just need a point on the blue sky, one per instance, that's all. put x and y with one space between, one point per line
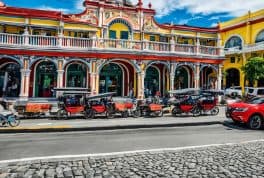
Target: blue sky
203 13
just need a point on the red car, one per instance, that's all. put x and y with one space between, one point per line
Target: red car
250 112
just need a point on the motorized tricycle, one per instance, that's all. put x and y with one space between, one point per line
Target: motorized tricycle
151 107
186 102
208 101
126 107
100 105
72 104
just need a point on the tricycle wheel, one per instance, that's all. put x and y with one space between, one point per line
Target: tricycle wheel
89 114
196 112
137 113
215 111
61 114
124 114
176 111
161 114
109 115
13 121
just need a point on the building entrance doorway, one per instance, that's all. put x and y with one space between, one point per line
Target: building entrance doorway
76 76
46 79
232 78
152 81
111 79
10 80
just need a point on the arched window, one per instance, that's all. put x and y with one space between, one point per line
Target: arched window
111 79
234 41
77 75
260 37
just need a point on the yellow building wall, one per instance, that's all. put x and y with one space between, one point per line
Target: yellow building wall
228 34
237 65
147 37
118 27
208 35
13 29
12 19
44 22
137 36
256 29
69 26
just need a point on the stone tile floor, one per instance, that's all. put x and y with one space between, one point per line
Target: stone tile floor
241 160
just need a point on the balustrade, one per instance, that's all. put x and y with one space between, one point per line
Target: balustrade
113 44
11 39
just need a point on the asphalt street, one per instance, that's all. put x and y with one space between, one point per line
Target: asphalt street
15 146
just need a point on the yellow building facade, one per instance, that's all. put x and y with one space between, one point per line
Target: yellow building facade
242 39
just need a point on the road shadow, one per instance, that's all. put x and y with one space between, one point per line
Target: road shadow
230 125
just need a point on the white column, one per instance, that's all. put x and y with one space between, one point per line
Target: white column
219 77
24 88
26 36
93 83
60 78
198 44
141 78
197 76
172 44
172 78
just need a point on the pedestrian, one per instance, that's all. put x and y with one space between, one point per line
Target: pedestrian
131 93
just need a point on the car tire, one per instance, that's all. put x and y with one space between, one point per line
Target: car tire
255 122
233 95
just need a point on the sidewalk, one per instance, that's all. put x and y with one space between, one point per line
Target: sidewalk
48 125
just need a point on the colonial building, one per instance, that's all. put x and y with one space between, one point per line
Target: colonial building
111 46
243 38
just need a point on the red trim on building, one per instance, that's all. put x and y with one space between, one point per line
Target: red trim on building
109 56
242 24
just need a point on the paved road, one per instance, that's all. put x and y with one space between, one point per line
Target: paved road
240 160
15 146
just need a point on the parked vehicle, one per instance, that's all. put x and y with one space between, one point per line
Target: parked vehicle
251 92
208 101
250 112
100 105
72 104
34 108
8 117
126 107
186 102
233 92
151 107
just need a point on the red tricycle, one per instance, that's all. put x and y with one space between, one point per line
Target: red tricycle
100 104
72 104
186 102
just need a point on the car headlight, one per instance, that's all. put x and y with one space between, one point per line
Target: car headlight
240 109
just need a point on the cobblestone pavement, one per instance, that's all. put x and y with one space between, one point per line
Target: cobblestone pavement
241 160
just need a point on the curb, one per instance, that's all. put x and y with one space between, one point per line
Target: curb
101 128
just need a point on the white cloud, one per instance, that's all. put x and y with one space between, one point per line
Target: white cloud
79 4
214 24
205 7
53 9
186 21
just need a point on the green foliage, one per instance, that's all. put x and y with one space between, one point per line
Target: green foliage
254 69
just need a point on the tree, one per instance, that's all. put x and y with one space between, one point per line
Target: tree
254 69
